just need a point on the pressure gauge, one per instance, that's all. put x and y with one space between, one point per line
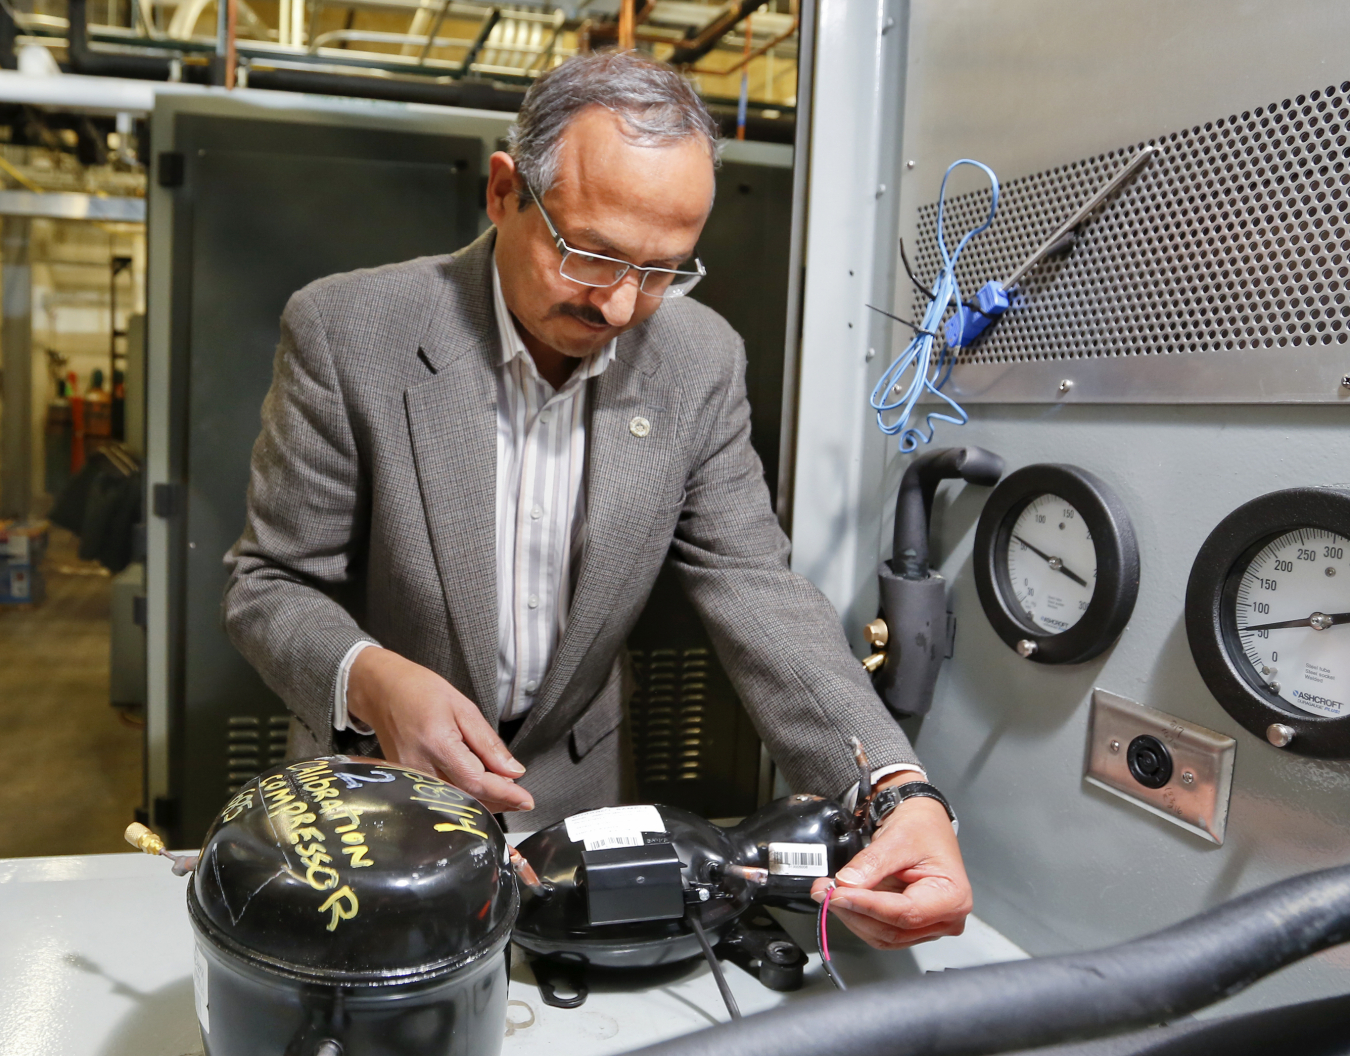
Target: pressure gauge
1056 564
1268 618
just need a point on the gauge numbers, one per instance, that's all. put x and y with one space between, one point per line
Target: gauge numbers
1293 602
1052 563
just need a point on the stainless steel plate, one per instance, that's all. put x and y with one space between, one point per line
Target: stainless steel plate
1195 796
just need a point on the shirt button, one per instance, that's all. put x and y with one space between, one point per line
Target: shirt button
545 416
536 513
531 686
532 601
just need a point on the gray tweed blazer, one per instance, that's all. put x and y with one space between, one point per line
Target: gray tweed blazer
372 515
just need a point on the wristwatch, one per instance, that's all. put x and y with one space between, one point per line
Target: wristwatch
888 799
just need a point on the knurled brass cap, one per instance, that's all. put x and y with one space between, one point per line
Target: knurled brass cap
143 838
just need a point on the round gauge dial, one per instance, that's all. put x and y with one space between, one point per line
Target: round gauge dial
1268 618
1052 563
1056 564
1290 599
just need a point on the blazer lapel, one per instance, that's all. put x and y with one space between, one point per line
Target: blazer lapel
452 420
627 475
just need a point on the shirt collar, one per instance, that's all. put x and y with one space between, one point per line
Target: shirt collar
512 347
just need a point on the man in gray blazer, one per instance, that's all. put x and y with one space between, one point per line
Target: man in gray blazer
471 469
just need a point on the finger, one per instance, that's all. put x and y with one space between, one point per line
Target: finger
928 901
463 769
483 741
876 862
887 937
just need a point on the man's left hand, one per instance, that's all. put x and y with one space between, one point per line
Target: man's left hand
909 885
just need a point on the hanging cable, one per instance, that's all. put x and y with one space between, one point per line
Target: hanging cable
915 372
823 940
910 272
728 998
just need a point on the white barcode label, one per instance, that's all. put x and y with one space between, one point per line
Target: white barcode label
797 859
614 822
617 839
201 989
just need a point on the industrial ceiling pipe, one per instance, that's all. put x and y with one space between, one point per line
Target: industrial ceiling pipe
102 63
1045 1001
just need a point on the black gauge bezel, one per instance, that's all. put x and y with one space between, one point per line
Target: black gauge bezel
1117 585
1211 615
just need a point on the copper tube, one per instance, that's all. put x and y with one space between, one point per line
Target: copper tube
754 54
525 871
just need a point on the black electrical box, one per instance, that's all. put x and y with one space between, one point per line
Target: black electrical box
627 884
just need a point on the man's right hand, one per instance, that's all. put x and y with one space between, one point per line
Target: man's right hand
423 722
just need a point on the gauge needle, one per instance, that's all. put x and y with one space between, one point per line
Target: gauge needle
1053 562
1318 621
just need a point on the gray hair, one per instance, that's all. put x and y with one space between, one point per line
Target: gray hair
657 105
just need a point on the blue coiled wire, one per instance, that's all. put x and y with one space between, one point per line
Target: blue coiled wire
892 393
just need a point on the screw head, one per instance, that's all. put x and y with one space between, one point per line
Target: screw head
1065 385
1278 734
1187 778
1330 571
1345 378
1026 647
911 163
1114 745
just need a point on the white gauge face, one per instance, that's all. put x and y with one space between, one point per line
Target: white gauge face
1052 563
1293 619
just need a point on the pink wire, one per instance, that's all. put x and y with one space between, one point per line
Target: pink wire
824 922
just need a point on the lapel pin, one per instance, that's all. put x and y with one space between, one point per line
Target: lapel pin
639 426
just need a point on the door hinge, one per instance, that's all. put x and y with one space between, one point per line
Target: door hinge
169 169
164 500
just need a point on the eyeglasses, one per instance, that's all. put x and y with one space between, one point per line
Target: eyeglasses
593 269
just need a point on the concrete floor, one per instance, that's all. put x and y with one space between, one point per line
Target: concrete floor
78 777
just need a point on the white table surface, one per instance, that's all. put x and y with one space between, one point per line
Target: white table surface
96 960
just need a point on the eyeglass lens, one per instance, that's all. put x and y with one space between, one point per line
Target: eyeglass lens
596 271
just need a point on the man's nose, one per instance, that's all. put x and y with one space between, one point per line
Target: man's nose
617 302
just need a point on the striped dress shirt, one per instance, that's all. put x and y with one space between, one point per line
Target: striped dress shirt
541 509
541 517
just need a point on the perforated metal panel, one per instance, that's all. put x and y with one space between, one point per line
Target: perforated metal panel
1230 250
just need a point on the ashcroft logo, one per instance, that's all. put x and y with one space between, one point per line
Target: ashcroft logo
1323 701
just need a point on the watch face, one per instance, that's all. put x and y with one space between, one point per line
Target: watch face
1052 563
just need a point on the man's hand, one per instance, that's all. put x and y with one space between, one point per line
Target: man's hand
908 885
423 722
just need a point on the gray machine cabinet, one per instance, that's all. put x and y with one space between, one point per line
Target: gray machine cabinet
263 208
272 198
693 743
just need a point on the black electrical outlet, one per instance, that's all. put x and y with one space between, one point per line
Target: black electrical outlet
1149 760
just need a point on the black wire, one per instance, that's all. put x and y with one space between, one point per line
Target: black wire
825 961
727 996
910 272
905 322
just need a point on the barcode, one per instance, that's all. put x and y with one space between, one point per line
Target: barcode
618 839
797 859
811 858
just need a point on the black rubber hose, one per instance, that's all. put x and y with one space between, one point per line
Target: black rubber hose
1025 1004
914 501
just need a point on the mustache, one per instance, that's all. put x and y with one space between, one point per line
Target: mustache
587 313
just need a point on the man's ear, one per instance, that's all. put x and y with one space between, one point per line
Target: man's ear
502 187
